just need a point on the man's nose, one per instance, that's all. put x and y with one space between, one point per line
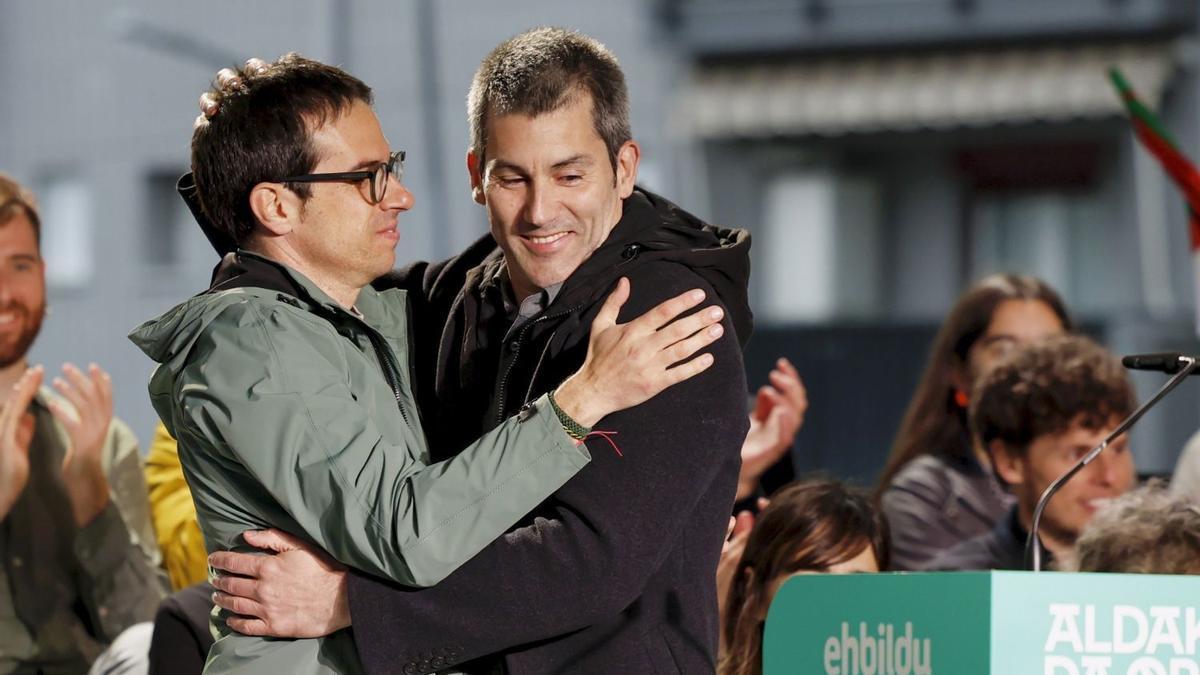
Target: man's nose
538 206
397 197
1104 468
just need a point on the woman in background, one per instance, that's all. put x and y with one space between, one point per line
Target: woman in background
937 488
810 527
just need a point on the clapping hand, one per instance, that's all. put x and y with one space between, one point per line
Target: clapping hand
85 411
778 413
16 431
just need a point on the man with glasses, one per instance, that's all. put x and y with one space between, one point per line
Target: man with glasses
616 571
287 383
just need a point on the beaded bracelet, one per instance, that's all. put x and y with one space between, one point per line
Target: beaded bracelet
574 429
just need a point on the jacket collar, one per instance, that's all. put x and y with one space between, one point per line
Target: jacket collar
242 268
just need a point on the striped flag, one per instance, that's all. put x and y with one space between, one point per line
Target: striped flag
1154 137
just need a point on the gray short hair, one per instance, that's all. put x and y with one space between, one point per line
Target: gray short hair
1144 531
542 70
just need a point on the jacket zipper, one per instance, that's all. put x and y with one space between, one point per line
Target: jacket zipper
390 370
516 343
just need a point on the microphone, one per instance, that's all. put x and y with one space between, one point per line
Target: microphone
1165 362
1178 365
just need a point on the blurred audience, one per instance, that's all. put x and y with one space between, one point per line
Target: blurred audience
174 514
1185 482
79 571
1038 412
937 488
777 414
1145 531
809 527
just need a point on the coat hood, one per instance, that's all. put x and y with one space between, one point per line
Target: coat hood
172 334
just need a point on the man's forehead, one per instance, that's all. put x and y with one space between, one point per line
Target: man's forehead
17 237
573 119
353 135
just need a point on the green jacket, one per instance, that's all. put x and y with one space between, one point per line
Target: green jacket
292 412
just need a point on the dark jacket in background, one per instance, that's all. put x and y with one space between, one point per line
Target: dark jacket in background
181 635
615 573
1002 548
937 502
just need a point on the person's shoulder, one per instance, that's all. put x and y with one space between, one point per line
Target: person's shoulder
927 474
976 553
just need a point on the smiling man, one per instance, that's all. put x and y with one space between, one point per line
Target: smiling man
287 382
1037 413
78 562
615 571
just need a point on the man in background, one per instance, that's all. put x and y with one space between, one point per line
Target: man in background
1038 412
79 575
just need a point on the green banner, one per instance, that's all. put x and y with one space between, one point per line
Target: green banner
975 623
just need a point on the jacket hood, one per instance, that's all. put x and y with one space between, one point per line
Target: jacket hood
171 335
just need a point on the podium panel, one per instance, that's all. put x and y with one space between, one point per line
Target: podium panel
975 623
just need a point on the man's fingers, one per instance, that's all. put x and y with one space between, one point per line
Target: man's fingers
65 415
25 428
685 348
79 381
14 410
240 586
253 627
666 311
238 605
688 369
78 405
786 366
688 325
745 522
24 391
103 383
272 540
245 564
787 381
607 316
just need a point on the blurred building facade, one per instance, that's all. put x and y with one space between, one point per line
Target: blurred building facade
883 153
888 152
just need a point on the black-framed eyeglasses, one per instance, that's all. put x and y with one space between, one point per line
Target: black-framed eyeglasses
378 176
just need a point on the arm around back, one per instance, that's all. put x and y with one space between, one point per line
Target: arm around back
281 407
588 554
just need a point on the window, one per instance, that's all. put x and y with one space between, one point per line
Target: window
820 250
67 230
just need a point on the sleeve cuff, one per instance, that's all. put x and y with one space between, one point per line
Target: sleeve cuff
541 412
102 544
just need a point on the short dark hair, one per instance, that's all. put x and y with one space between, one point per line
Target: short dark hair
1047 386
542 70
260 130
16 198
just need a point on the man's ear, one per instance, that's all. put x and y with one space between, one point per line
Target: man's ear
628 158
1010 465
276 208
475 171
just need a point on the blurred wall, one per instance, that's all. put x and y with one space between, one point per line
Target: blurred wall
97 109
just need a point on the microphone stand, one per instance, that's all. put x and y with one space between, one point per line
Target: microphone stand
1033 546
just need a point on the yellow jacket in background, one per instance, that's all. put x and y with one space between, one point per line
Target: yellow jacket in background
173 513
